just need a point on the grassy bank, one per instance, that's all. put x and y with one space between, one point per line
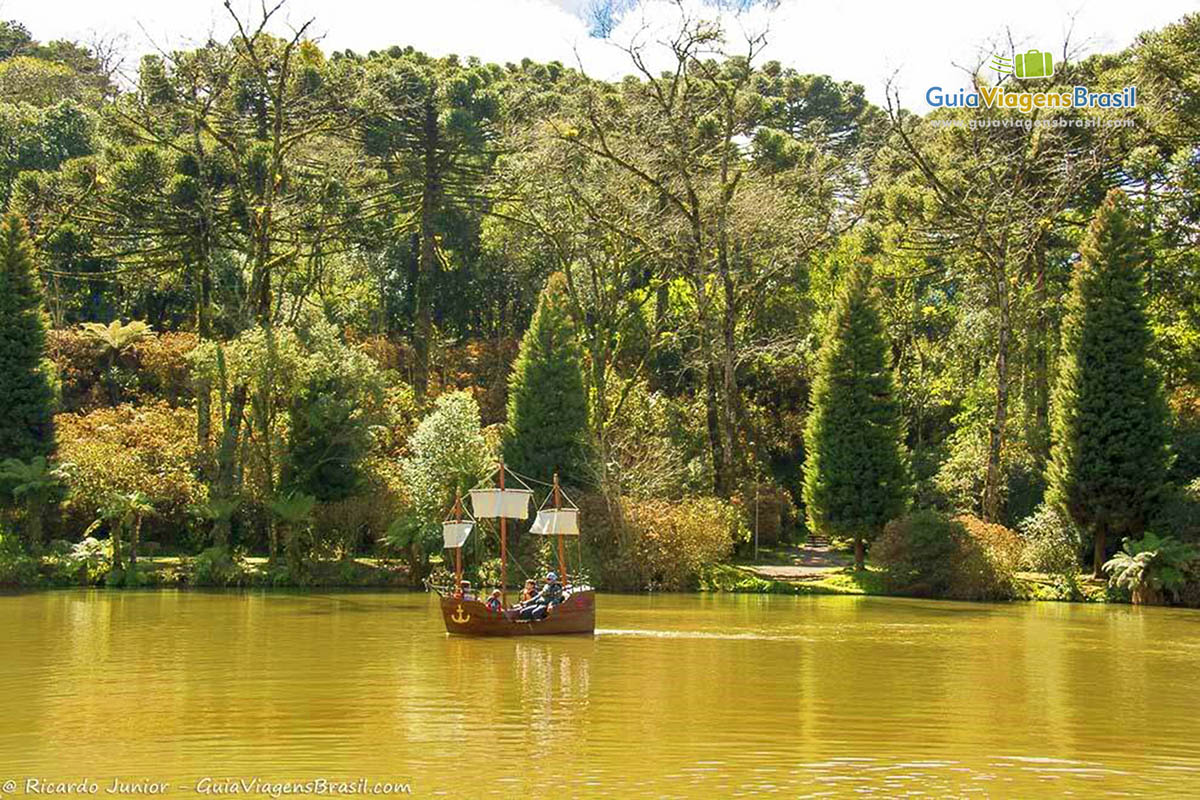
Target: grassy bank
845 581
208 569
783 570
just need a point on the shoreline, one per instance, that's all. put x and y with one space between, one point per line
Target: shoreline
158 573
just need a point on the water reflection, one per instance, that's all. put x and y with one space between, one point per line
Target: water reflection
676 696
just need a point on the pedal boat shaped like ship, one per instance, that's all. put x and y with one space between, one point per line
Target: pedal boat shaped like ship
575 614
471 617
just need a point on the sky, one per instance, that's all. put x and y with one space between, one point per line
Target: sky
916 44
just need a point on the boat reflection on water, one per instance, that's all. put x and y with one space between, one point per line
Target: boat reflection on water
534 689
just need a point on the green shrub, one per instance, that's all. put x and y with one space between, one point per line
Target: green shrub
131 576
448 454
216 566
990 561
919 553
1179 513
1052 542
926 554
86 562
1153 569
352 525
17 568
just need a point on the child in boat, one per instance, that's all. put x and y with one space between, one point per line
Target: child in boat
464 591
494 603
529 592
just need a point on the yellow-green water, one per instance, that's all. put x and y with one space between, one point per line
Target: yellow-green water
675 696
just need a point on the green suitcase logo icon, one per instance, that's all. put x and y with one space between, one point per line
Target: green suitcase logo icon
1034 64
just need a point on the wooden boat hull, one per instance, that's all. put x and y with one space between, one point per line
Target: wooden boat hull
576 614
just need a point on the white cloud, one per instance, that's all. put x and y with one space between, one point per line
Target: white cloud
861 41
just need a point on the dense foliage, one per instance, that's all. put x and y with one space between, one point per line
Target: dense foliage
297 298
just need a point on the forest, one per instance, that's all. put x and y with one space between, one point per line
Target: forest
265 310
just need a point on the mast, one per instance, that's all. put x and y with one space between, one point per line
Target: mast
503 544
562 559
458 550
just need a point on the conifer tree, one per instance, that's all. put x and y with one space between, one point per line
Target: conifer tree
855 477
1109 420
26 399
547 403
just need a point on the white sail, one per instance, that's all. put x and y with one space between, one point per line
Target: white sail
455 533
556 522
492 503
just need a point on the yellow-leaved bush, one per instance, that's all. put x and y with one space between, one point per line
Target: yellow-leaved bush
150 449
658 544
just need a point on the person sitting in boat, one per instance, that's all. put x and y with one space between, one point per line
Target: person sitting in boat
464 591
529 592
494 602
550 596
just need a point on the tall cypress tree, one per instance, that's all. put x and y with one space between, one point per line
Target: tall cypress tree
855 477
26 399
1109 425
547 403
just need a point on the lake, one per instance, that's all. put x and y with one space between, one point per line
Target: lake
675 696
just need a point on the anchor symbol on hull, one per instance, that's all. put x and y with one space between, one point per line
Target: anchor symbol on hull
459 616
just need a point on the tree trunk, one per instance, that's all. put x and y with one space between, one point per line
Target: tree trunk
203 386
227 461
135 536
1041 368
730 395
292 550
713 422
858 553
417 571
993 503
203 299
1098 551
118 560
430 195
34 514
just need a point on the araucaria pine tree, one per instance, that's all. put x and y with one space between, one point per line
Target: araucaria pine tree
547 403
1109 420
855 476
26 400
